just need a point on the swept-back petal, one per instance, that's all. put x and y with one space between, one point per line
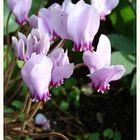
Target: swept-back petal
111 4
44 21
37 75
21 50
11 4
92 60
20 12
15 45
58 20
30 44
104 49
33 21
83 34
92 27
65 3
74 26
102 77
22 36
61 72
42 47
104 7
41 77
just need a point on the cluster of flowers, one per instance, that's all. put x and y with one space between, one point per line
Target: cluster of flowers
77 22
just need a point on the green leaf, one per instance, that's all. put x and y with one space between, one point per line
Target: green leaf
34 8
57 90
22 116
127 13
70 82
36 5
20 63
8 110
134 4
9 56
75 93
24 89
122 44
128 62
64 105
133 85
123 19
117 136
13 26
28 138
94 136
17 104
108 133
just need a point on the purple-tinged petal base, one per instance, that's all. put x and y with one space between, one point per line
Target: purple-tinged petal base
36 98
101 87
83 47
102 77
22 22
57 84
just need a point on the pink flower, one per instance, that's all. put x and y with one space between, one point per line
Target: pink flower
82 24
42 21
58 20
101 73
66 23
36 73
35 42
20 9
62 68
104 7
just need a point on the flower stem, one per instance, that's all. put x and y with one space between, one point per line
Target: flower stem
52 134
26 115
7 27
79 65
57 134
60 44
25 102
7 33
34 111
9 73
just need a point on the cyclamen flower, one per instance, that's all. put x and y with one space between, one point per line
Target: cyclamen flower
20 9
42 21
40 119
104 7
35 42
66 23
62 68
101 73
36 73
82 33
